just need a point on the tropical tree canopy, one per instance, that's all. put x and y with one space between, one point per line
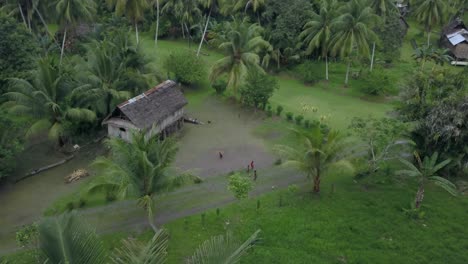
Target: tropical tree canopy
46 99
242 44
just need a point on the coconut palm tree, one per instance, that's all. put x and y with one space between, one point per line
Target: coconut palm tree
242 44
156 4
211 5
384 8
317 31
186 11
425 171
138 170
428 53
46 100
71 12
430 13
133 9
319 152
353 31
67 239
101 75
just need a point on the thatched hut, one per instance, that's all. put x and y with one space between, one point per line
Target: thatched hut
159 110
455 38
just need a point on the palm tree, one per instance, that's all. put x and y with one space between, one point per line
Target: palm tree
103 72
156 4
243 42
186 11
211 5
71 12
67 239
319 152
46 100
317 32
430 13
133 10
384 8
353 31
428 53
138 170
427 171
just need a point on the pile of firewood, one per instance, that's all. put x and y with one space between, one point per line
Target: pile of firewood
76 175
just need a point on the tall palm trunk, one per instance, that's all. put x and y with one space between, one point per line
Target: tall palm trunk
42 21
204 32
372 57
63 44
157 24
22 15
183 30
428 37
136 33
317 181
347 73
326 67
419 196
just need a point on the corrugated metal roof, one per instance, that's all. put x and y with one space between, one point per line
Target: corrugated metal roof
456 39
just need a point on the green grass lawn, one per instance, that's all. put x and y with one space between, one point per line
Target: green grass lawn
352 225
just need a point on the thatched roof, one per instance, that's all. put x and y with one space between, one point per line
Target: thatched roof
461 51
150 107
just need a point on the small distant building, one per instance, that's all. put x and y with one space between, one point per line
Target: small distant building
159 110
455 38
403 7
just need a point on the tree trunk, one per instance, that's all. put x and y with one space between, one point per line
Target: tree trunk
63 44
428 38
136 33
204 32
157 24
419 196
189 37
108 104
43 21
183 30
317 183
22 15
372 58
326 67
347 73
278 59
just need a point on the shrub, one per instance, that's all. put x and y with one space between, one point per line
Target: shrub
219 86
240 185
185 67
278 162
279 109
289 116
81 203
308 72
376 83
299 119
269 111
306 123
258 89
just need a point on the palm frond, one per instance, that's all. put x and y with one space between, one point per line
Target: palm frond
134 252
221 249
67 239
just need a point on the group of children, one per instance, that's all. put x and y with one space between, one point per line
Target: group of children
250 167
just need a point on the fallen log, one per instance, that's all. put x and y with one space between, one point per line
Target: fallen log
37 171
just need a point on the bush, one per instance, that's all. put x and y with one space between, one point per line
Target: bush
309 73
258 89
185 67
279 109
299 119
289 116
219 86
376 83
269 111
306 123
